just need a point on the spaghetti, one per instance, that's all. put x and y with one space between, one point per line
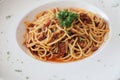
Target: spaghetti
48 40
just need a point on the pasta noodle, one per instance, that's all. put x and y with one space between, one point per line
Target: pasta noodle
47 40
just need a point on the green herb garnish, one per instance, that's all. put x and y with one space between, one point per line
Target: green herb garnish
81 39
66 18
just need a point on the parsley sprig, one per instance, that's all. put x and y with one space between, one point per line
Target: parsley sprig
66 18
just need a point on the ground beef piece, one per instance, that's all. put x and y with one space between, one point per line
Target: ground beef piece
61 48
41 36
85 18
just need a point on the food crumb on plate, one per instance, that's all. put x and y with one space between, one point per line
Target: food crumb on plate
8 52
7 40
1 32
27 77
17 59
18 70
8 16
21 62
119 34
98 60
104 65
116 5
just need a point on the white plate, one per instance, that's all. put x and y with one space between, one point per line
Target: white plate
16 65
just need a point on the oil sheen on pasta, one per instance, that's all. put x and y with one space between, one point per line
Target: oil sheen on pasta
50 39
